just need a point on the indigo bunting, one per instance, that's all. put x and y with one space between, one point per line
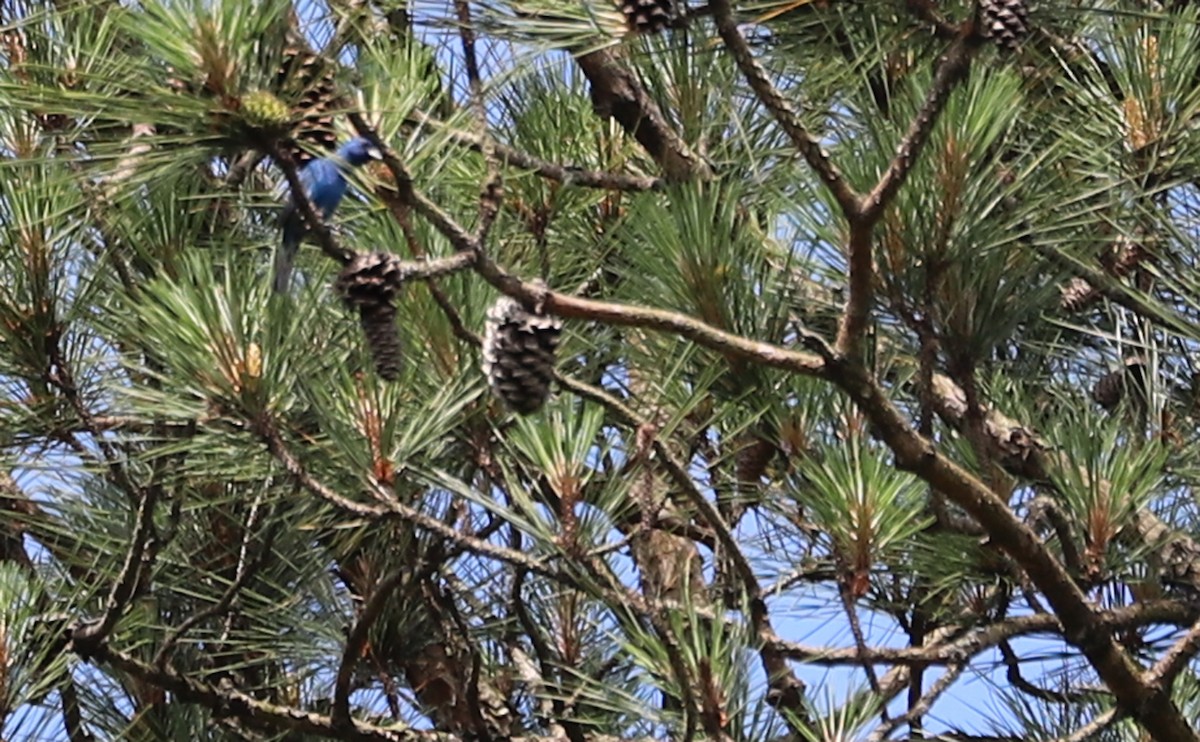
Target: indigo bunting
324 181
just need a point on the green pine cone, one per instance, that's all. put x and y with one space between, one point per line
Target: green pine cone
262 110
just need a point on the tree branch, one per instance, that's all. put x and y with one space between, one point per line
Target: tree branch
87 637
357 639
785 114
616 92
491 193
1152 706
1163 673
1022 453
246 568
1093 728
952 69
960 647
569 175
855 316
787 689
922 706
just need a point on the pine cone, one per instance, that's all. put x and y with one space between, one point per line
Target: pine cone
1076 294
1119 260
1004 21
308 81
370 283
1112 387
648 16
262 110
752 458
518 354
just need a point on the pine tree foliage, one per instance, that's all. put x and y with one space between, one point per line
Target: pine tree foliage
872 330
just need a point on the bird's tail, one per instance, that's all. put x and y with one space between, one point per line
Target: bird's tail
285 258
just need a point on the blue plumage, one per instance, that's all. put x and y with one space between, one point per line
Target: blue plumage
324 181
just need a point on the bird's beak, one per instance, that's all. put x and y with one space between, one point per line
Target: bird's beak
374 153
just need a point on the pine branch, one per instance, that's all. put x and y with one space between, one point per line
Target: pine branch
1013 675
860 641
567 306
729 344
566 174
254 713
952 69
1109 286
1164 672
784 112
491 192
274 718
787 689
357 639
923 705
247 568
389 506
618 93
853 324
87 637
267 431
1047 507
1093 728
1023 453
959 646
1151 705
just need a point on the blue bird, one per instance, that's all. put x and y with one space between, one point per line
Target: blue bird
324 181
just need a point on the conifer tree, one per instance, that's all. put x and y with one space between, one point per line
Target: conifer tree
700 369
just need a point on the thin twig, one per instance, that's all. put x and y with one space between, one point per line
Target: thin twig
492 191
546 663
275 445
357 639
952 69
246 568
783 111
960 646
1163 672
1095 726
788 689
860 641
401 213
569 175
1017 681
620 596
470 543
87 637
390 506
1062 529
921 707
253 712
